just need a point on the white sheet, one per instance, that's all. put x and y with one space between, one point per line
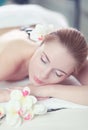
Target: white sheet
67 119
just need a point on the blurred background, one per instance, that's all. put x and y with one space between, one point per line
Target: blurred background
76 11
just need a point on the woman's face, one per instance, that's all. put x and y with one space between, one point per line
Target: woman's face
50 64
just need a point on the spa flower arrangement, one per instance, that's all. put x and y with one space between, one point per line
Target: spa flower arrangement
21 107
40 30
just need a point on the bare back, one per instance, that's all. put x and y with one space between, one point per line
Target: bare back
15 53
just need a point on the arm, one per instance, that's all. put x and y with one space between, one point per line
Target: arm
75 94
69 90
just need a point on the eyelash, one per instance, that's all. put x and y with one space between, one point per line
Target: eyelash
45 62
58 74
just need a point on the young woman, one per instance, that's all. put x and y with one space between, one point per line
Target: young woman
61 54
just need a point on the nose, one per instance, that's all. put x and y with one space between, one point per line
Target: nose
45 74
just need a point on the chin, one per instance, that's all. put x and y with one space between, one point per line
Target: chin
33 82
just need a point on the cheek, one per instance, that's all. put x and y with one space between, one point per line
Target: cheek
34 66
60 79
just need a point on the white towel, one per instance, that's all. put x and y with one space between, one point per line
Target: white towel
17 15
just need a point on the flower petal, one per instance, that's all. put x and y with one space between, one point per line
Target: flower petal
16 95
29 115
13 106
27 102
13 120
26 91
34 99
40 109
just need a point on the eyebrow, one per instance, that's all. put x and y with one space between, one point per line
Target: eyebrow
49 62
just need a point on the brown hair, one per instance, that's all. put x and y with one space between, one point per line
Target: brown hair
74 41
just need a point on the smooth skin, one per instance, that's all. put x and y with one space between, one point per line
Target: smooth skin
20 57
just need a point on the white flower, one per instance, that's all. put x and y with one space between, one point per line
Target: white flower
40 31
22 106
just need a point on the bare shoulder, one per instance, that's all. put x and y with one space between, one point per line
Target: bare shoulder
83 74
15 50
13 34
18 41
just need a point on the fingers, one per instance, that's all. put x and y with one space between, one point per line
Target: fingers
14 88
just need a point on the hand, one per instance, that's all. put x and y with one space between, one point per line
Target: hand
4 95
40 92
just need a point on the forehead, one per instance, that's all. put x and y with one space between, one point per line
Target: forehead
59 56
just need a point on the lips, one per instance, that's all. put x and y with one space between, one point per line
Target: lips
37 80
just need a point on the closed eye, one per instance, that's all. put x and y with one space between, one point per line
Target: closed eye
44 59
58 74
